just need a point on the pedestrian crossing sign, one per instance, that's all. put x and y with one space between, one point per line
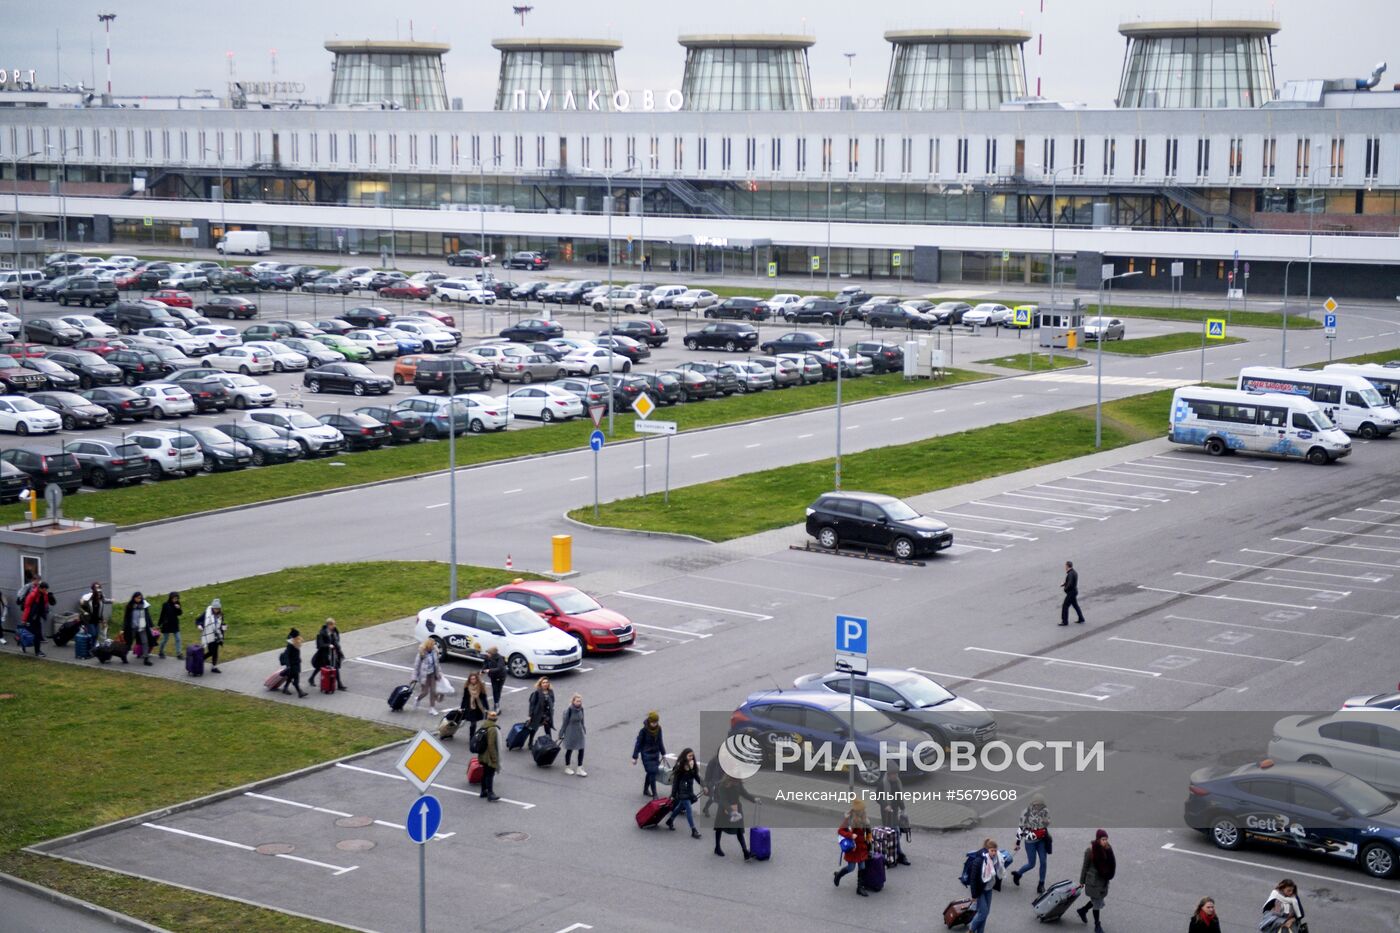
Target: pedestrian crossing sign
1215 328
816 263
772 270
1023 317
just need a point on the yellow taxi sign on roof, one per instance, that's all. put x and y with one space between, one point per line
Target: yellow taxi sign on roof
423 760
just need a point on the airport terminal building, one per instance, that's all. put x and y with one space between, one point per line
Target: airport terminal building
1204 164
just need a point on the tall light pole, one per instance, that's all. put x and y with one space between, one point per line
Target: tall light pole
1312 197
106 20
850 74
1283 357
608 209
828 232
15 160
1054 258
452 483
1098 392
62 199
223 211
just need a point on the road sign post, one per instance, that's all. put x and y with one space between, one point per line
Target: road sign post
643 406
852 637
1329 324
595 443
772 270
667 428
421 763
1212 328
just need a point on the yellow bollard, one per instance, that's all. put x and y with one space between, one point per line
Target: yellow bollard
1072 340
563 553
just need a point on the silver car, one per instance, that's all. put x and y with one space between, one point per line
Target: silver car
529 367
853 365
753 377
914 700
1112 328
1363 743
809 369
784 372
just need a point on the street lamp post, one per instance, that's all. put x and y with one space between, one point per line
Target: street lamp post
452 484
608 209
223 211
15 160
828 232
62 198
1054 258
1283 357
1098 380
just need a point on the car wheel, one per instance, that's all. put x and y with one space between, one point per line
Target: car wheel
1368 431
1378 860
691 344
305 449
1216 447
431 432
527 377
1315 760
1317 456
729 345
208 465
476 426
157 412
22 428
518 666
903 548
593 370
828 538
626 367
67 422
359 388
99 479
546 415
240 402
244 371
158 472
315 385
1225 833
276 367
259 458
398 379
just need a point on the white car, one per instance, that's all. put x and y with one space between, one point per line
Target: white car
663 296
245 360
780 302
545 403
181 340
469 628
167 399
185 281
266 265
89 325
489 354
315 354
590 361
485 413
435 339
125 262
22 415
247 392
569 344
296 425
594 294
8 322
694 299
1364 743
379 344
220 336
284 359
874 302
989 315
465 290
172 453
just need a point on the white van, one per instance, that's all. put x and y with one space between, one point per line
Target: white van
1227 420
245 242
1349 400
10 281
1386 379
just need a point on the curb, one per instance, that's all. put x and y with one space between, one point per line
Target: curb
121 920
636 532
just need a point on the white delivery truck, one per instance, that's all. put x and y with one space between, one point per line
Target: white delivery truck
1386 379
1228 420
245 243
1350 401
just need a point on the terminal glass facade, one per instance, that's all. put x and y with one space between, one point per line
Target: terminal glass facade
556 73
413 81
954 75
1195 72
730 78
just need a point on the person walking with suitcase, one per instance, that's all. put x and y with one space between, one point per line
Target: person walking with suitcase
170 612
686 789
475 703
728 797
94 611
36 613
982 873
572 734
213 628
650 748
291 662
855 830
426 672
136 626
1283 910
328 653
1204 919
541 711
1095 873
1071 588
1034 831
494 667
490 757
894 816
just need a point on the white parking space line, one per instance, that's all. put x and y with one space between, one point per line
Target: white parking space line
1259 628
1001 521
1003 683
1381 511
939 411
803 437
1233 654
640 650
1097 492
1282 586
1018 508
1231 599
436 787
761 586
852 427
751 446
1033 699
334 869
405 667
974 547
1159 476
1349 547
689 636
1157 466
1330 560
897 418
1171 847
1311 573
993 534
511 492
1238 466
575 479
680 602
574 926
1366 521
1109 482
1049 659
1351 534
1097 505
440 505
307 806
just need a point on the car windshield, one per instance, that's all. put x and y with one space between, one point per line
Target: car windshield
240 381
1323 422
260 432
300 419
1361 798
1372 398
521 621
899 511
85 358
183 441
210 435
128 450
25 404
575 602
357 369
921 691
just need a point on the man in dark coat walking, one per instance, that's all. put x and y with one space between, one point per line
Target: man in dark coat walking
1071 588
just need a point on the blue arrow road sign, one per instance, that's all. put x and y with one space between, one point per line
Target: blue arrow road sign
424 818
851 634
595 441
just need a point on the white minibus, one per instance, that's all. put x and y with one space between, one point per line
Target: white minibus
1229 420
1350 401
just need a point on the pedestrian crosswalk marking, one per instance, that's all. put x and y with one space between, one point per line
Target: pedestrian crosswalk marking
1082 379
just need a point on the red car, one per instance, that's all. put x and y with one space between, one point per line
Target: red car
174 298
406 290
442 317
101 345
23 350
565 607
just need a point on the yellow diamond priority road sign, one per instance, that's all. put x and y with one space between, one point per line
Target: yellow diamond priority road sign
644 406
423 760
1331 305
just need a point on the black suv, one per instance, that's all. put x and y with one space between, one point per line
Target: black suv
209 392
109 462
367 317
652 333
867 519
722 335
886 357
87 292
137 365
467 257
446 373
91 369
817 311
799 341
527 260
230 282
533 329
131 316
46 466
740 309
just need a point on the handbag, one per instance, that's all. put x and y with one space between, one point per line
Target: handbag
1048 843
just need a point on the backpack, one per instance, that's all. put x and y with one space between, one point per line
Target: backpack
477 745
972 868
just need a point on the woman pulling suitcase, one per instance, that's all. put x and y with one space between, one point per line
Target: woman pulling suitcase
1097 871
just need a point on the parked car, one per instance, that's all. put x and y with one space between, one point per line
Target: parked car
296 328
722 336
951 312
664 388
796 341
187 317
544 402
694 386
406 290
266 445
247 392
86 291
178 338
185 279
46 467
230 282
529 367
91 369
15 378
442 417
220 336
590 392
315 438
1374 701
405 427
230 306
988 314
753 377
20 414
73 410
173 297
132 316
694 299
168 400
316 354
884 357
912 699
434 338
450 374
724 376
662 296
283 357
594 360
13 481
1111 328
808 367
137 365
355 378
527 259
470 257
865 519
1356 741
379 344
852 365
739 309
368 316
817 311
783 372
221 453
325 285
88 325
347 348
532 329
897 316
644 330
105 463
207 390
570 610
171 453
268 330
361 432
468 291
625 389
528 291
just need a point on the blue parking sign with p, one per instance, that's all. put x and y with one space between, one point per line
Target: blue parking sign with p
1329 321
851 634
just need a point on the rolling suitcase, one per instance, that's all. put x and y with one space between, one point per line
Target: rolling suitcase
959 912
761 843
474 770
399 697
82 645
330 678
194 660
885 841
873 873
64 632
450 724
545 751
25 637
653 812
1055 901
515 738
276 681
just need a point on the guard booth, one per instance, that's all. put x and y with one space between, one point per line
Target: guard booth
1060 325
69 555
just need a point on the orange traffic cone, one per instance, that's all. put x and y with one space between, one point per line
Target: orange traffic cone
509 564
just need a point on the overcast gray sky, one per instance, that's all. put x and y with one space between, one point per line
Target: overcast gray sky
175 46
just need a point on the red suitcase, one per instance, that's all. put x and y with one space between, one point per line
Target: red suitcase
653 812
328 679
474 770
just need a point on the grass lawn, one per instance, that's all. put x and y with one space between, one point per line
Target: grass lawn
1162 343
261 609
776 498
1197 315
87 746
1383 356
1035 361
212 491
